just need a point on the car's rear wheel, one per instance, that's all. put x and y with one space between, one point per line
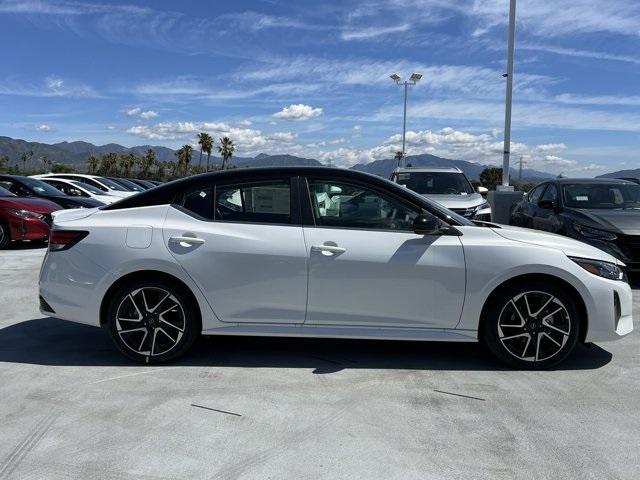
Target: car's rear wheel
5 235
153 321
531 325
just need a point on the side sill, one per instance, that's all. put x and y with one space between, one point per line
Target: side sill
377 333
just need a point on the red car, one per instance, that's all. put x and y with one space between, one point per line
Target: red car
24 218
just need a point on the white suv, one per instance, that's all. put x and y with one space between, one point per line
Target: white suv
448 186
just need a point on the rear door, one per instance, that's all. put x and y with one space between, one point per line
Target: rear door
368 268
242 243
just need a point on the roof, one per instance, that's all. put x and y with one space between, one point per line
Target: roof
564 181
428 169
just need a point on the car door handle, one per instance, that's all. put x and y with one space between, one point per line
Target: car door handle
328 248
187 240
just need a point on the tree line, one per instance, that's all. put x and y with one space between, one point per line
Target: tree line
129 164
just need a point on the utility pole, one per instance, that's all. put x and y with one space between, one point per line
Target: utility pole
508 99
520 172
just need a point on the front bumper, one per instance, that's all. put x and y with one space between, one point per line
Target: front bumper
610 317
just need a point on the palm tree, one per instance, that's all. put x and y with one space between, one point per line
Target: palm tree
147 162
226 150
92 163
184 158
126 162
108 164
399 156
4 161
202 140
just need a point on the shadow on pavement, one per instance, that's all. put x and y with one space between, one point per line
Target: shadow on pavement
47 341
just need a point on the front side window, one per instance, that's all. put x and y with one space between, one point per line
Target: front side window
15 188
534 195
259 202
551 193
342 205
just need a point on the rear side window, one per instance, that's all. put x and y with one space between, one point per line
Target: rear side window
256 202
199 202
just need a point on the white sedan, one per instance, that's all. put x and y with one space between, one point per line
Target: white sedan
321 252
78 189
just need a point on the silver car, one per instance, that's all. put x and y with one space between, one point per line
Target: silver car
448 186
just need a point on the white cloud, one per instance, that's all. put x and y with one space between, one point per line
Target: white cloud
249 141
572 52
298 111
148 114
43 128
138 112
367 33
48 87
631 100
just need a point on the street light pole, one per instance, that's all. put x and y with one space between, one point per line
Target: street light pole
509 95
415 77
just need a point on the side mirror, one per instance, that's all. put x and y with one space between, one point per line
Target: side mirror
546 204
482 190
427 225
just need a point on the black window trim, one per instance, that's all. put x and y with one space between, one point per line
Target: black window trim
309 219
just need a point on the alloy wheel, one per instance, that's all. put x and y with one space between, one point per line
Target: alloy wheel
534 326
150 321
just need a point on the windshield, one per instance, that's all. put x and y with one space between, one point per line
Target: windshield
40 187
5 193
89 188
435 183
130 185
111 185
602 196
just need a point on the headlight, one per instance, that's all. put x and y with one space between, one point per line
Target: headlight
602 269
26 214
482 206
593 233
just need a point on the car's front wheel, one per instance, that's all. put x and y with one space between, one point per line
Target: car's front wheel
531 325
5 235
153 321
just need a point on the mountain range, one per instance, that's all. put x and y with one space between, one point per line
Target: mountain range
76 153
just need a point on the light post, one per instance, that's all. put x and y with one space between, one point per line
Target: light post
413 79
508 99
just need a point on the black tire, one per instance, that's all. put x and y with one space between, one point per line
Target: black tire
520 327
145 327
5 236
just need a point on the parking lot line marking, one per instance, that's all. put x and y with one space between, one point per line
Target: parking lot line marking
460 395
147 370
216 410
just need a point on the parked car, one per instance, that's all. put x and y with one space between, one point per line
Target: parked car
32 187
128 184
323 252
146 184
448 186
74 188
101 183
603 212
24 218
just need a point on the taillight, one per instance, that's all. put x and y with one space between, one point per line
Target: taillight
65 239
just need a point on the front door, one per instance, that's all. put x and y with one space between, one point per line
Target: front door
246 254
368 268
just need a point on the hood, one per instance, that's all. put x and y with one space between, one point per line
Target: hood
616 220
68 201
37 205
569 246
107 199
457 201
72 214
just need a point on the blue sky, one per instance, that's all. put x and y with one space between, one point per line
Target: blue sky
311 78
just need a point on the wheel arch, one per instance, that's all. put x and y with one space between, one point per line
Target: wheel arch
154 275
559 282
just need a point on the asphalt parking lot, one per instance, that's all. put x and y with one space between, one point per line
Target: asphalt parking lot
73 407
